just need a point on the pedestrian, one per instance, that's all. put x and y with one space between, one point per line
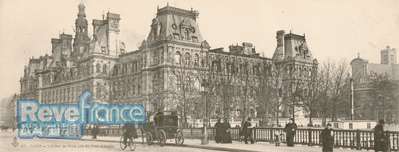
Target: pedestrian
219 131
95 131
290 130
327 139
226 132
247 131
277 139
380 139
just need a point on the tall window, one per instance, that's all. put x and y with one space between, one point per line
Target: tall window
187 58
124 68
104 68
196 59
133 67
138 89
177 57
155 57
98 90
98 68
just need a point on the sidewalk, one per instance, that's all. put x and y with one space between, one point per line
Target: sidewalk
235 146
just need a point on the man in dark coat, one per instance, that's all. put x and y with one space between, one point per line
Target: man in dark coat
380 140
226 132
290 130
327 139
247 131
219 131
95 131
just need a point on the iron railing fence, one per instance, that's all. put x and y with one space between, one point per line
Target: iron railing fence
355 139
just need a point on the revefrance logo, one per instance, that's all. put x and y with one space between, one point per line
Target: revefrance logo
69 120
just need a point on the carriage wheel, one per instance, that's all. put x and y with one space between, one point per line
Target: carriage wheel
179 139
121 144
162 137
129 143
148 138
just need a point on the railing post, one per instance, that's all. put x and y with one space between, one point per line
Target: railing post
254 134
271 134
389 141
309 136
358 146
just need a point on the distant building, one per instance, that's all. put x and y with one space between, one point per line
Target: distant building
172 69
362 70
388 56
7 111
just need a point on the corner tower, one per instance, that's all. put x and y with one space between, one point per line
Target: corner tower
298 68
173 46
106 39
175 24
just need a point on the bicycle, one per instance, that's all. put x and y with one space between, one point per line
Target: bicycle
129 143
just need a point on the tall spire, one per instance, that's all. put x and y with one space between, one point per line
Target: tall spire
81 10
82 39
81 22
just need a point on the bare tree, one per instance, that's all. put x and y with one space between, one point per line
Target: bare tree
325 75
332 86
227 93
277 90
186 93
314 90
385 94
339 81
264 92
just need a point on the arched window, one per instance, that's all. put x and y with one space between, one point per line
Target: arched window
196 59
187 58
177 57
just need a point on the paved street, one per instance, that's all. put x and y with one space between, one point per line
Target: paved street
57 145
103 144
237 146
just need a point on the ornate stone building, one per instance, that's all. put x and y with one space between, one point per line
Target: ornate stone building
173 69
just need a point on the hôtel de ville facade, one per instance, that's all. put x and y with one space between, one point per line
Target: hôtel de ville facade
175 68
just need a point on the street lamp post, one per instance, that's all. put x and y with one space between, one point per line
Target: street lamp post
352 95
280 97
204 140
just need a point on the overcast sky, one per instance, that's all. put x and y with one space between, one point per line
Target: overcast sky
336 29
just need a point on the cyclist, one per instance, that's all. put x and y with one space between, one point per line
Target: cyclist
129 132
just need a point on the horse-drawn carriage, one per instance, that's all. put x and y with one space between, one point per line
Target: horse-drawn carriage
165 125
